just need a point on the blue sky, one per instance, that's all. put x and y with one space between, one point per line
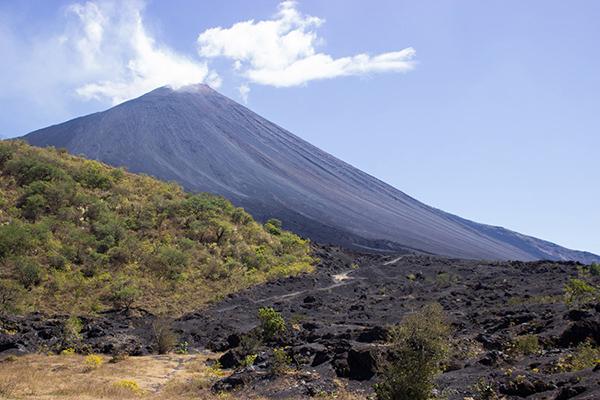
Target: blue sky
489 110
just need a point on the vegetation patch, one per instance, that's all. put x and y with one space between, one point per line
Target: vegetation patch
420 344
78 236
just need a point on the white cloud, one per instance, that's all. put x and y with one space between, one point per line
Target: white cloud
282 51
244 89
102 50
113 43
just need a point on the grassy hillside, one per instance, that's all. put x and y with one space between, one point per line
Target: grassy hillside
79 236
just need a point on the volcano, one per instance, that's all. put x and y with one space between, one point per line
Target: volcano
207 142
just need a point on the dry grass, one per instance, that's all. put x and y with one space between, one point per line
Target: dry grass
69 377
156 377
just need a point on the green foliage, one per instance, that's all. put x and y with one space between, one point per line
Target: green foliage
170 262
28 273
280 362
123 295
182 348
11 294
595 269
26 170
249 360
72 331
273 226
14 239
5 154
419 346
525 345
93 176
586 355
579 292
485 390
272 323
72 231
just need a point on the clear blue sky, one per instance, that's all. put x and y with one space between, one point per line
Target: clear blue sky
495 118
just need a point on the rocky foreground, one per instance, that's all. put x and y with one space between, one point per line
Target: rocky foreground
514 336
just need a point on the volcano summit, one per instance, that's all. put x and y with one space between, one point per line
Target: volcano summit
207 142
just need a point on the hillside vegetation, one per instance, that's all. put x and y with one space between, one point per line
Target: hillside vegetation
79 236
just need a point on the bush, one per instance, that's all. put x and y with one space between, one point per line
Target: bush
281 361
29 273
272 323
419 345
33 206
10 295
164 336
93 361
579 292
14 239
585 355
249 360
26 170
273 226
525 345
93 177
86 223
129 385
123 295
72 331
170 262
5 154
595 269
69 351
485 390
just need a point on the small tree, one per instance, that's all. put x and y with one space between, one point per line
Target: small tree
123 295
29 273
579 292
271 323
419 345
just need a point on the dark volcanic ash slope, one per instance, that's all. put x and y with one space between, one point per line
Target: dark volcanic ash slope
207 142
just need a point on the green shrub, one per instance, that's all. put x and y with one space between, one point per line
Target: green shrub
33 206
11 294
88 222
272 323
29 273
92 176
123 295
485 390
280 362
72 331
170 262
595 269
579 292
525 345
586 355
6 153
26 170
273 226
249 360
14 239
419 345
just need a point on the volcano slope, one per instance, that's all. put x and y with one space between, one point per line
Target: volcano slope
512 332
207 142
